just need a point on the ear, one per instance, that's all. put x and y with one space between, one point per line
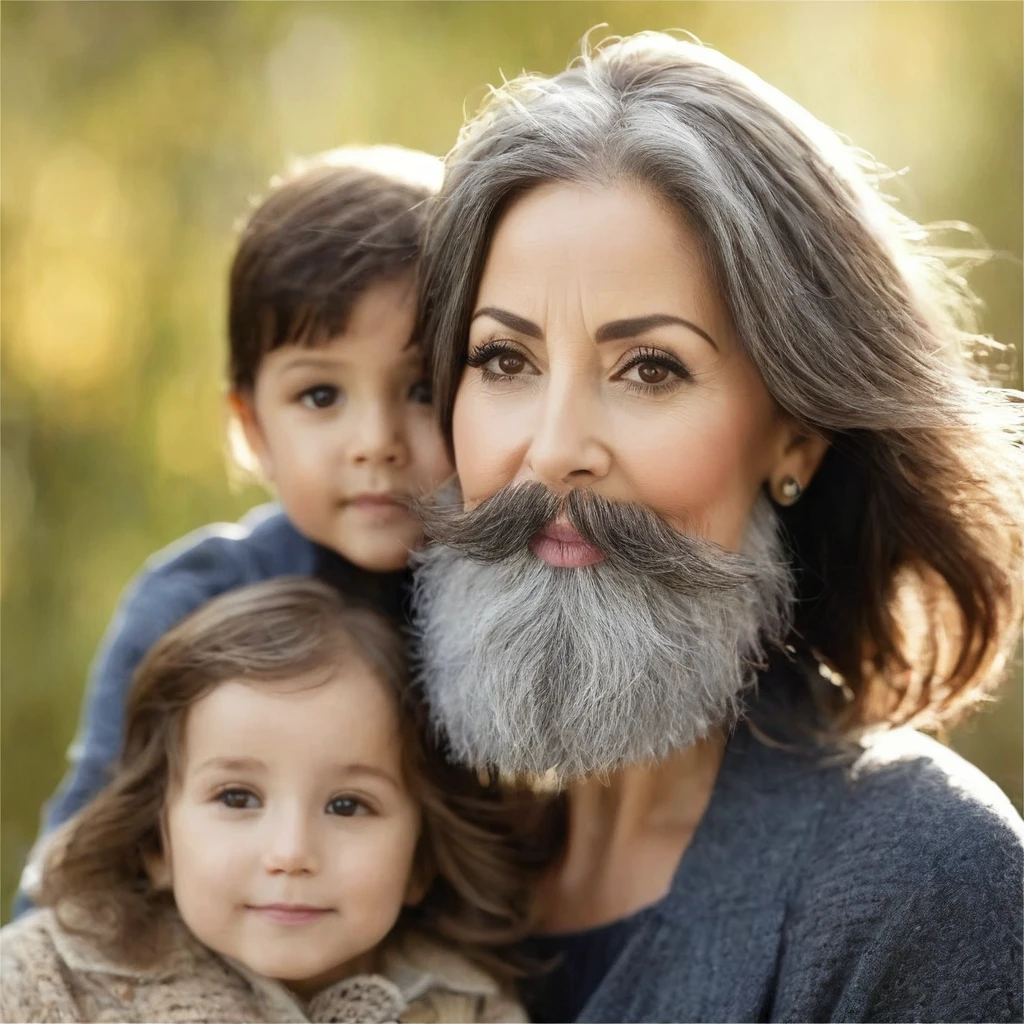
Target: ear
418 887
158 862
243 412
798 455
421 877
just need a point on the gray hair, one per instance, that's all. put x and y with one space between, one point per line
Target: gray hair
914 520
530 668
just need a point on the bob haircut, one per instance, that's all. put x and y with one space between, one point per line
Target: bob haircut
293 631
906 546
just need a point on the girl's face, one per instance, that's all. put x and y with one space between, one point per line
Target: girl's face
290 835
600 355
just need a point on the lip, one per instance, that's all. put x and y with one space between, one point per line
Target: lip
290 913
560 545
375 500
384 503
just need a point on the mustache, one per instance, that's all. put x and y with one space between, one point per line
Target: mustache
635 541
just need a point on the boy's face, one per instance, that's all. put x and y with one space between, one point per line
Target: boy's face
345 432
290 835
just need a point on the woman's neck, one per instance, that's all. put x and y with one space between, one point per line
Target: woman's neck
625 836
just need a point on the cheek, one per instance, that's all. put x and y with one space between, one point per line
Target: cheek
303 455
305 445
206 859
375 868
688 461
490 438
702 466
428 452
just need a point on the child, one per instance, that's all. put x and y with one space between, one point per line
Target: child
330 395
275 845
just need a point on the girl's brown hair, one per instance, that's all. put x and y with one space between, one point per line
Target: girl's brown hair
288 629
907 545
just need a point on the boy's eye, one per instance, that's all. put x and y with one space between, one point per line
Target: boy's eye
238 799
420 393
320 396
346 806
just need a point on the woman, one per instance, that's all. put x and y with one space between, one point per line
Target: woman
732 511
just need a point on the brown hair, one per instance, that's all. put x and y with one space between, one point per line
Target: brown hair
907 544
280 630
336 225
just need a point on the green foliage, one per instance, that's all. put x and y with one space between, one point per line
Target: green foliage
133 137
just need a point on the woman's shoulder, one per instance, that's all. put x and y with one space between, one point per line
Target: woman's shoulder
893 793
905 796
907 901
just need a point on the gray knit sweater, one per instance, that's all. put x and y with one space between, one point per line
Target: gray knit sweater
886 887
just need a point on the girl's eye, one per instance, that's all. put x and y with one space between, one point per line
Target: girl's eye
320 396
420 393
238 799
346 806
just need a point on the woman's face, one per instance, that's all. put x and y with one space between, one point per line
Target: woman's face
600 355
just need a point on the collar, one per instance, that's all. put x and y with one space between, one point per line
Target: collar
84 950
415 964
410 967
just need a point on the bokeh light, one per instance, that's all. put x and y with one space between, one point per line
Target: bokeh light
135 135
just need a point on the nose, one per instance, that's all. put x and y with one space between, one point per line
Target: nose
379 437
290 846
568 448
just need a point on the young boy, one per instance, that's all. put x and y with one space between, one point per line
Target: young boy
328 390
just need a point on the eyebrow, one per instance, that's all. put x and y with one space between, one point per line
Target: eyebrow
242 764
409 357
232 764
614 330
310 362
368 769
511 321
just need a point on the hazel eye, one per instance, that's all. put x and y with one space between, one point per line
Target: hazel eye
238 799
321 396
346 806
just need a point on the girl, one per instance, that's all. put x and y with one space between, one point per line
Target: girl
276 844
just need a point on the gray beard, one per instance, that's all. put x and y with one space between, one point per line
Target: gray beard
532 669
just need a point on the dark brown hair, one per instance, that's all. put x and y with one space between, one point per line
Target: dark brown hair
283 630
332 228
907 544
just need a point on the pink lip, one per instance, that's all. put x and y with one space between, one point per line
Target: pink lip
290 913
559 544
377 506
373 500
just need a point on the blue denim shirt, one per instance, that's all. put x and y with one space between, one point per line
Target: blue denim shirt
172 584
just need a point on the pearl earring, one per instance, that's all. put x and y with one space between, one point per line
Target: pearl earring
789 491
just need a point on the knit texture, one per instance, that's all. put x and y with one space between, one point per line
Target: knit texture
50 974
881 886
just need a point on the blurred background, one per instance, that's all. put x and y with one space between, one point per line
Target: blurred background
133 137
